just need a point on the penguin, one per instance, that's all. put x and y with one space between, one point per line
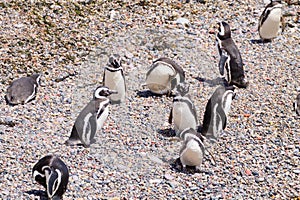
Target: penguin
192 149
52 173
164 75
230 57
91 118
22 90
114 79
216 112
183 112
297 105
270 21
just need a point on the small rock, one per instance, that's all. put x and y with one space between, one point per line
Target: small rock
296 171
183 21
169 177
258 180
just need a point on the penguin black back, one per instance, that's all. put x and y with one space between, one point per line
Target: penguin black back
230 57
215 115
22 90
52 173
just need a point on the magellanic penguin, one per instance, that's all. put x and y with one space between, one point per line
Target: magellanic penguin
183 112
52 173
270 21
230 57
164 75
216 112
114 79
23 90
192 149
297 105
91 118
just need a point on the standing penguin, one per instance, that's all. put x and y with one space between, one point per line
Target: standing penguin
230 57
183 111
297 105
91 118
52 173
192 149
164 75
270 21
114 79
216 111
23 90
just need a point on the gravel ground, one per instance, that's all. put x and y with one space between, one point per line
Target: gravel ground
133 158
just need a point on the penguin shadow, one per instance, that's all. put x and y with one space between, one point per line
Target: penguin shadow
168 132
148 93
213 82
259 41
177 166
38 193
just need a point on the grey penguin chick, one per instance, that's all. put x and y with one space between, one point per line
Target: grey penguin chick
230 57
297 105
23 90
91 118
216 112
114 79
270 21
192 150
164 75
183 112
52 173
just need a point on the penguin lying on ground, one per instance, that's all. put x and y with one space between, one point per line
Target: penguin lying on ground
270 21
230 57
216 111
23 90
91 118
52 173
164 75
183 112
114 79
192 149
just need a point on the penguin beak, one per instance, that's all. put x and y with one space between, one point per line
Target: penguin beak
112 91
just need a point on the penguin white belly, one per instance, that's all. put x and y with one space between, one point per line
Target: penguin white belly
183 117
271 26
158 81
115 81
102 118
192 155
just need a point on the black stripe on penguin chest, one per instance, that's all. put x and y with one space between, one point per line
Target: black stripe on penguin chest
101 109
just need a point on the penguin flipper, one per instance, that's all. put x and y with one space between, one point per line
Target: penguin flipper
222 62
171 116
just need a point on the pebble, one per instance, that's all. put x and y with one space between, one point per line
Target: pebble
131 158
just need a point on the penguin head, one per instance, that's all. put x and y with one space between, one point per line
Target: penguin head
36 78
51 172
182 88
114 61
103 91
224 31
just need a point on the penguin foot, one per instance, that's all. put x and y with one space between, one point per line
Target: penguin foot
73 142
